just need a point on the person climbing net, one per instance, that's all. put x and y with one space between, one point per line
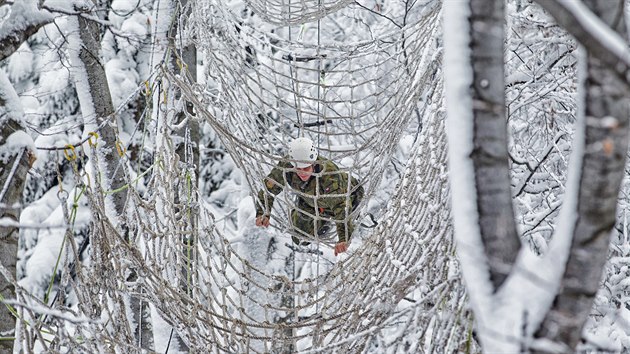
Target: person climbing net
325 194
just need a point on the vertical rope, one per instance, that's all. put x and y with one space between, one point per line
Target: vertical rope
319 85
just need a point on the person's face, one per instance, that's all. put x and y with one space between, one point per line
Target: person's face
305 172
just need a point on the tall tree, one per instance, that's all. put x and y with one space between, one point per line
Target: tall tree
490 154
16 158
98 113
184 58
606 109
574 262
97 108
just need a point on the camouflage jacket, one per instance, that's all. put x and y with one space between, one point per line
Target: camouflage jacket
328 183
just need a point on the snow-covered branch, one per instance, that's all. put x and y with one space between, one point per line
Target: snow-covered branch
25 20
592 32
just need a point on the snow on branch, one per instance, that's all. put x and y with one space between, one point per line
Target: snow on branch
600 40
25 20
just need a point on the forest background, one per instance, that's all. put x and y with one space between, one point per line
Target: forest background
134 134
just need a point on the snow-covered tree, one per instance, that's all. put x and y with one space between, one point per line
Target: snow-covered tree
154 123
485 233
17 155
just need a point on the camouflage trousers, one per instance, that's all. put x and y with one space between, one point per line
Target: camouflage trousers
305 225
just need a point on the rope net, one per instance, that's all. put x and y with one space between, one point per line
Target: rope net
392 291
287 12
352 100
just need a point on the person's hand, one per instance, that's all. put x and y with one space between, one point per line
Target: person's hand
340 247
262 220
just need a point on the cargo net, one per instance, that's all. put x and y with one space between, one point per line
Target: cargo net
288 12
397 290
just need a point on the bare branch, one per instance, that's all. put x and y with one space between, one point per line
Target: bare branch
600 41
377 14
520 189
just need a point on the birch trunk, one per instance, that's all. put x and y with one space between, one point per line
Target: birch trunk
606 140
110 159
606 92
490 154
101 98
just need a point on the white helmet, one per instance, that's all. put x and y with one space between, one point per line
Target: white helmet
302 150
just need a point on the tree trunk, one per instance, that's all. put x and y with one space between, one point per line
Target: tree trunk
98 88
185 64
606 141
286 342
108 150
490 154
144 331
15 178
505 325
14 166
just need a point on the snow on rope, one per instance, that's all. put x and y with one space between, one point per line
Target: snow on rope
263 89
